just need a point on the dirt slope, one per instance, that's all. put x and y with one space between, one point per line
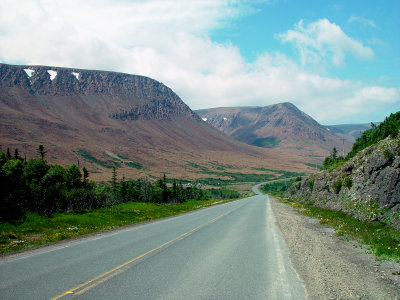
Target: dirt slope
102 119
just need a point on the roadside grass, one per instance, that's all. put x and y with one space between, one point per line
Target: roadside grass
277 188
381 239
40 230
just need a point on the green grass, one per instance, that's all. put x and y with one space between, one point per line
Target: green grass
134 164
383 240
314 165
39 230
268 142
94 160
277 188
226 177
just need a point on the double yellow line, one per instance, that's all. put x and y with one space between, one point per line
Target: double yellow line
84 287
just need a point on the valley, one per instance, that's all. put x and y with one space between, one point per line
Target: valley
100 120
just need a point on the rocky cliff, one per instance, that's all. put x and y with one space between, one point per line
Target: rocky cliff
366 187
133 97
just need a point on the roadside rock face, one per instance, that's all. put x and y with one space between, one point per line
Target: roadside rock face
366 187
152 99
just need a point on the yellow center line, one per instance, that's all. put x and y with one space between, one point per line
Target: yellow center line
84 287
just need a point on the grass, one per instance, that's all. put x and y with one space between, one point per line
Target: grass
277 188
134 164
382 240
93 159
39 230
226 177
314 166
268 142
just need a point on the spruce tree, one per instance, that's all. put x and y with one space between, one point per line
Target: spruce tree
114 179
41 151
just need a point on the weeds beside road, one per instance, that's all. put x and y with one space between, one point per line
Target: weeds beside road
40 230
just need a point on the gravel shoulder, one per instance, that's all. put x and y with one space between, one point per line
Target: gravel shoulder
330 266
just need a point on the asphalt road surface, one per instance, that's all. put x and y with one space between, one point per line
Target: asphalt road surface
229 251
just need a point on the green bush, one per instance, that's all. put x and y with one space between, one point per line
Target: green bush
38 187
389 127
348 182
311 184
337 186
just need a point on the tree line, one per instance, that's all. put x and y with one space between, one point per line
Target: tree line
37 186
389 127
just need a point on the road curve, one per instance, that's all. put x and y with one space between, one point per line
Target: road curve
229 251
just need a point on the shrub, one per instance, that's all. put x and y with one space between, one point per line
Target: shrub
348 182
311 184
388 154
337 186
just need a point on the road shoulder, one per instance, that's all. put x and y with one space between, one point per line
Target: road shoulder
331 267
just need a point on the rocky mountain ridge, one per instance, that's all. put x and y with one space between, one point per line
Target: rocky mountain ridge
100 119
153 100
366 187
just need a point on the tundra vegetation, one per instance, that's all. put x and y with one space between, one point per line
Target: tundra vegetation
40 202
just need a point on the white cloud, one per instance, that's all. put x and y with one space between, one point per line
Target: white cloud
168 41
322 40
362 21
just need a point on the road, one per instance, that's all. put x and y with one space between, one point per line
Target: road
229 251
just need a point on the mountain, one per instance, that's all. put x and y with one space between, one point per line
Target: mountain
349 131
280 126
100 119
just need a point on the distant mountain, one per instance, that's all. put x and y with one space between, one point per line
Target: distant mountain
281 126
102 119
349 131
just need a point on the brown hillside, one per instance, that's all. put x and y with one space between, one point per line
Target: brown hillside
282 127
99 119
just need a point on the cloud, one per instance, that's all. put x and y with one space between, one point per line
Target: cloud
169 41
362 21
322 40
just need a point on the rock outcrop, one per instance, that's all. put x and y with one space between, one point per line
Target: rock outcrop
366 187
152 99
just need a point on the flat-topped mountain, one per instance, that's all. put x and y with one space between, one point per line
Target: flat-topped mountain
133 97
102 119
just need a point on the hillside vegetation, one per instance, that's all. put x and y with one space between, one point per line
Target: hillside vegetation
390 127
366 183
38 187
359 194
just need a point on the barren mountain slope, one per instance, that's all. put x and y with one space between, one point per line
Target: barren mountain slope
281 126
103 119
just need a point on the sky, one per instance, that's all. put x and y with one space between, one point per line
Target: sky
338 61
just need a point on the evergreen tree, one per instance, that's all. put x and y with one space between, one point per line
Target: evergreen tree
114 179
85 176
334 153
16 154
41 151
8 155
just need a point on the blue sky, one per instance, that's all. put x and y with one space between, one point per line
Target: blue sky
338 61
375 23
